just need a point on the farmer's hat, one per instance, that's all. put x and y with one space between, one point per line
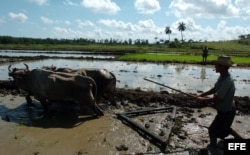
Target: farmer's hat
224 61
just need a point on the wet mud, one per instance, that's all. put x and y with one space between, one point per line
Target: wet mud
64 132
111 135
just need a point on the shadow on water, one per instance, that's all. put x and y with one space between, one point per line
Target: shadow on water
59 115
21 114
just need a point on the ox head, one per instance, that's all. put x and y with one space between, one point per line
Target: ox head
18 73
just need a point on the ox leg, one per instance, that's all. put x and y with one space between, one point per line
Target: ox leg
98 110
45 107
112 99
92 101
94 106
28 100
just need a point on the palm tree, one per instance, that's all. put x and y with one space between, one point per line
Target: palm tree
156 40
168 31
182 27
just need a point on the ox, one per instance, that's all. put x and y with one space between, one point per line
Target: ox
105 80
50 86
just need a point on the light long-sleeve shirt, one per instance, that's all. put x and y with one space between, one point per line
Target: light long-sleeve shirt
224 92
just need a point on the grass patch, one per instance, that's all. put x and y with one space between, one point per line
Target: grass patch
177 58
187 53
163 57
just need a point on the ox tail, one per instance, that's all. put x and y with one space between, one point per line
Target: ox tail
114 87
94 92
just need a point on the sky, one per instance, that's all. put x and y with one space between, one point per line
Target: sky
205 20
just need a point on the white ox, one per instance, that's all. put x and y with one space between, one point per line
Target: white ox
50 86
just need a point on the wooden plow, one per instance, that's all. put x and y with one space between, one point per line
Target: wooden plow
157 140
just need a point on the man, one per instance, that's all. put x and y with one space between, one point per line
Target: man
204 55
223 99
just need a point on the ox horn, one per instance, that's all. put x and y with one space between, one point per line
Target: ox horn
27 67
9 68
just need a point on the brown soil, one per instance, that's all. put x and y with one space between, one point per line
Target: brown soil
58 134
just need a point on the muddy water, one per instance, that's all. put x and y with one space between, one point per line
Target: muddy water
61 135
188 78
105 135
64 54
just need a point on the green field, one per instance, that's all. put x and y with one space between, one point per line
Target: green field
185 53
242 61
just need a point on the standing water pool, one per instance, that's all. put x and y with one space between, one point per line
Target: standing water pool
185 77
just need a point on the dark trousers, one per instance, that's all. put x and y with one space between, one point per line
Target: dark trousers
221 125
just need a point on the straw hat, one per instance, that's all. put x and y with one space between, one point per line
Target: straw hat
224 61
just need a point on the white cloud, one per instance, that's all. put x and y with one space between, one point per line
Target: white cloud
243 3
67 22
70 3
101 6
39 2
19 17
82 24
46 20
2 21
144 29
61 30
190 24
204 8
245 8
121 25
227 32
143 26
221 25
196 32
147 6
68 33
147 30
147 24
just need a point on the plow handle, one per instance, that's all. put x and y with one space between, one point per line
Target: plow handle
170 87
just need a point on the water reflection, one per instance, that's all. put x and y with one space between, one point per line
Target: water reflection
203 73
187 78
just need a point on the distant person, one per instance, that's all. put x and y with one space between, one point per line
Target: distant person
204 55
223 99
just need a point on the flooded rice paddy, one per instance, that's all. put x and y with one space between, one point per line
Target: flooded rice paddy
185 77
62 54
108 135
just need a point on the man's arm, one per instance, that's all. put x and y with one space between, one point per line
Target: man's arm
202 96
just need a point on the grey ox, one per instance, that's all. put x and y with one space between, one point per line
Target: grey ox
47 86
105 80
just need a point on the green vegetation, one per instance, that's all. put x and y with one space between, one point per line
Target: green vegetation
140 50
163 58
178 58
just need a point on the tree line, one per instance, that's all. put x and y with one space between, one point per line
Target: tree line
84 41
79 41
